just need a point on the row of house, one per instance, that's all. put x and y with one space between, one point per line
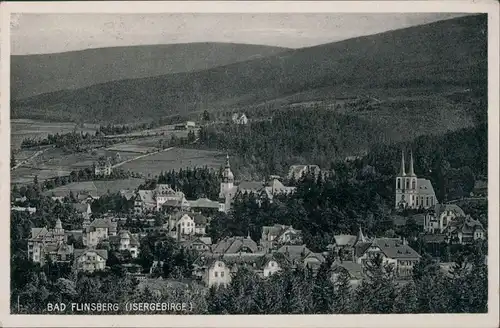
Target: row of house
97 235
281 247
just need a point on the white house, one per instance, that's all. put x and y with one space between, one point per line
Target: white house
90 260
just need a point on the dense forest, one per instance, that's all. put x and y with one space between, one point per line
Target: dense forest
452 161
198 182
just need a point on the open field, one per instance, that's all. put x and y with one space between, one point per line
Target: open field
25 128
96 187
55 163
176 158
25 175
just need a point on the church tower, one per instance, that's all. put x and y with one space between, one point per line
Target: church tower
412 191
406 185
400 184
226 186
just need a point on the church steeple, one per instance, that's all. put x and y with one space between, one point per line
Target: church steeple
227 175
412 172
402 171
361 238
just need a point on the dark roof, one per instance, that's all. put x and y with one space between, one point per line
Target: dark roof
354 269
394 248
203 203
234 244
434 238
294 252
200 219
250 186
101 252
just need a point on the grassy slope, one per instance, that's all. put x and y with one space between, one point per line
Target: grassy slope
36 74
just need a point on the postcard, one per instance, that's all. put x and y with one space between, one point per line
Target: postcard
249 164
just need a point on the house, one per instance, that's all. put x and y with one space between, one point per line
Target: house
229 190
393 251
353 270
296 172
411 191
235 245
103 167
437 221
204 205
480 189
278 235
163 196
344 246
97 231
125 241
215 269
200 244
239 119
181 224
30 210
200 224
313 261
465 231
294 253
90 260
44 241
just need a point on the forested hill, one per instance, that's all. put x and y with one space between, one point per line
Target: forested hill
452 160
36 74
426 59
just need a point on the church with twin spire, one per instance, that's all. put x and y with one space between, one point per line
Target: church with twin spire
413 192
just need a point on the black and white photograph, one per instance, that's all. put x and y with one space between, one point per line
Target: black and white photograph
249 163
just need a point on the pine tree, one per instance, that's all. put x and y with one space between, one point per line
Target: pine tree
323 290
377 291
406 299
342 298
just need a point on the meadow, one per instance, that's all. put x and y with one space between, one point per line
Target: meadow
175 159
25 128
97 188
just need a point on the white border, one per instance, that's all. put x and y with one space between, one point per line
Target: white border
432 320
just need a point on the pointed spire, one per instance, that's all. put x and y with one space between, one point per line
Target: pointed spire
89 209
412 172
402 170
58 224
227 161
361 237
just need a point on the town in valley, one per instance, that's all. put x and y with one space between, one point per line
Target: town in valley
284 181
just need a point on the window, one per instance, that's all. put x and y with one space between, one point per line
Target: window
427 201
215 274
222 274
399 183
413 184
407 184
220 265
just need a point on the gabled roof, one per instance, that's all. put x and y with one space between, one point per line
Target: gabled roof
354 269
104 223
234 245
425 187
250 186
294 252
395 249
101 252
203 203
147 196
345 240
200 219
37 233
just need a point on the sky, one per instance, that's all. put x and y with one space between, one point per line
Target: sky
51 33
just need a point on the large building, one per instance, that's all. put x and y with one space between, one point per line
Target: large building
228 188
411 191
51 243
